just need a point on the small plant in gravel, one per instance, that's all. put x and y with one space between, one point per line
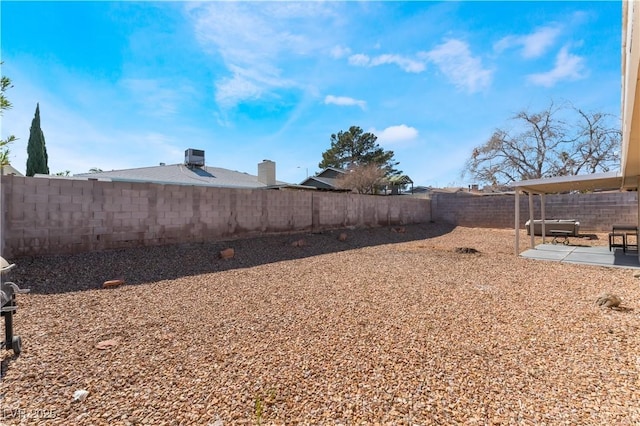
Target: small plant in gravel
258 409
262 402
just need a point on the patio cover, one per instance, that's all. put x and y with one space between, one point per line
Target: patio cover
629 176
591 182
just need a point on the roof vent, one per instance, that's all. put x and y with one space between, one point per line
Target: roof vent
194 157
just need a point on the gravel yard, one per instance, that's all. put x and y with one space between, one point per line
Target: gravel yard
386 327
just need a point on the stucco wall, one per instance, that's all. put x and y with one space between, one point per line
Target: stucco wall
595 211
45 216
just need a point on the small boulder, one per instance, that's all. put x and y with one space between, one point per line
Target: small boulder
80 395
342 236
227 253
106 344
465 250
608 300
112 283
299 243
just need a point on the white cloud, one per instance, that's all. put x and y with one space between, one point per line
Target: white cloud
396 134
533 45
229 91
338 52
567 67
456 62
537 43
406 64
359 59
344 101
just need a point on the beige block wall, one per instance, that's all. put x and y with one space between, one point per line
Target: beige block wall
48 216
594 211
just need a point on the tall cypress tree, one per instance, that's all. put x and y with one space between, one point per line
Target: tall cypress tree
37 160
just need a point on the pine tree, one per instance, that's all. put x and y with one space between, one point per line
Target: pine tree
354 148
37 160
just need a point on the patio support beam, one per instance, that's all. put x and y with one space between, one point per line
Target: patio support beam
544 233
517 225
531 226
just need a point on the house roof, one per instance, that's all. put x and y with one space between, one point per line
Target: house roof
179 174
326 179
10 170
322 183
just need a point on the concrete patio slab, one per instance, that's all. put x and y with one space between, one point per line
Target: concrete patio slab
596 256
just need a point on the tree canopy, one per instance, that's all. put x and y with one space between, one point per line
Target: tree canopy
37 160
558 141
5 84
366 179
355 148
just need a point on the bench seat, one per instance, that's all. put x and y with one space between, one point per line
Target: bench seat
568 225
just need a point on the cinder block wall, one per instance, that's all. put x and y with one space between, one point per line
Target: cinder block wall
595 211
48 216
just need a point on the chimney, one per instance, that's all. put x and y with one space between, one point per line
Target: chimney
267 172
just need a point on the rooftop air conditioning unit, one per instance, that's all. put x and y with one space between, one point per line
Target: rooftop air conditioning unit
194 157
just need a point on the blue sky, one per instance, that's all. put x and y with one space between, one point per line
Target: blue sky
125 85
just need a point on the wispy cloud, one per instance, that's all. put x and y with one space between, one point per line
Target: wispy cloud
533 45
338 52
396 134
453 58
254 57
455 61
156 97
406 64
344 101
567 67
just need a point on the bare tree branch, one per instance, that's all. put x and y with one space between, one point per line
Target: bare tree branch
543 144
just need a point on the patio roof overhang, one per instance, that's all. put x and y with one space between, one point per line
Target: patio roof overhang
630 109
590 182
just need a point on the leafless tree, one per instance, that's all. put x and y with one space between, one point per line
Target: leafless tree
366 179
559 141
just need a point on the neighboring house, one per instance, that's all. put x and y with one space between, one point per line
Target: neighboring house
10 170
326 179
193 172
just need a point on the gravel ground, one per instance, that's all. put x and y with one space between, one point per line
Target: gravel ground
386 327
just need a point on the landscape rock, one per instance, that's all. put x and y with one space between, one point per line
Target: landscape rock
299 243
80 395
106 344
112 283
227 253
465 250
608 300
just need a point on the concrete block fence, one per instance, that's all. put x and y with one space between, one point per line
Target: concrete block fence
49 216
595 211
